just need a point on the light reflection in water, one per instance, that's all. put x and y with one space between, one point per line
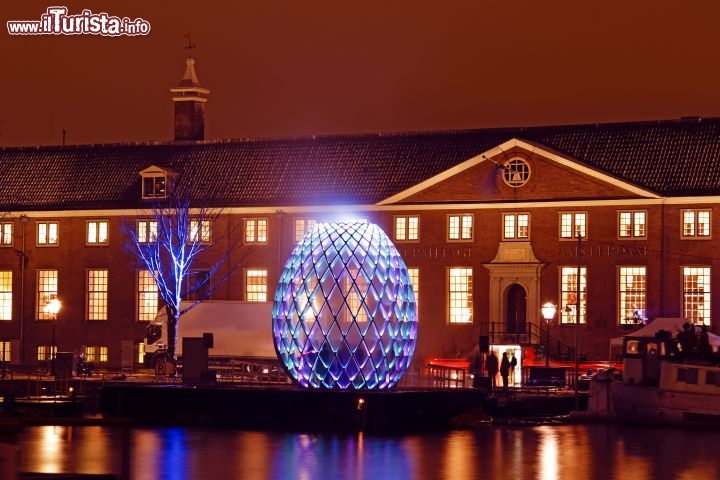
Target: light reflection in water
527 452
548 448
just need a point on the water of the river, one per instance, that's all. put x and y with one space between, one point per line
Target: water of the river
596 451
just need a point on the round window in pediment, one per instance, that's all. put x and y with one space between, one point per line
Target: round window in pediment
516 172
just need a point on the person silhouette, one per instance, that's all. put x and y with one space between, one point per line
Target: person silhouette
492 367
505 369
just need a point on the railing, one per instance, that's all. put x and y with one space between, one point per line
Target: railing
461 346
446 377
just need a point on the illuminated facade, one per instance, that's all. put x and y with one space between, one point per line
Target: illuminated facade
344 313
613 223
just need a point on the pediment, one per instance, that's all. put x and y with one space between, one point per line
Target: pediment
518 170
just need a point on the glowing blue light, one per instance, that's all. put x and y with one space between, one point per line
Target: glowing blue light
344 314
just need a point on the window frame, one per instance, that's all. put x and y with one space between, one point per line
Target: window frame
701 297
97 242
7 238
409 233
461 227
154 179
47 225
202 293
516 227
44 353
573 225
6 351
203 227
696 224
96 353
145 298
262 291
96 295
623 317
515 177
255 238
568 296
633 225
146 236
302 226
464 296
45 295
414 276
6 296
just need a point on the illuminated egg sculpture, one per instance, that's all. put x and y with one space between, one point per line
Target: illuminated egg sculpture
344 315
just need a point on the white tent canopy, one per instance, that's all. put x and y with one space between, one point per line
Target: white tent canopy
672 325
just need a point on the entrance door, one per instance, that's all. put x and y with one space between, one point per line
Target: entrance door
516 309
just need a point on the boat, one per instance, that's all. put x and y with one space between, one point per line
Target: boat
662 385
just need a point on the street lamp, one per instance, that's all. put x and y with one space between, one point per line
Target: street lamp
52 307
548 313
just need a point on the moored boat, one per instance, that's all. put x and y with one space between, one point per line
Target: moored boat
662 385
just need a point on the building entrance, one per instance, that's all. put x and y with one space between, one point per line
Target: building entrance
516 310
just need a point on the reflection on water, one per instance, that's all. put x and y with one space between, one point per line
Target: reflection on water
527 452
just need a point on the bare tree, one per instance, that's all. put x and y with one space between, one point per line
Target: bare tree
177 234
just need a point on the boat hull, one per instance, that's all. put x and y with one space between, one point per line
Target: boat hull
650 404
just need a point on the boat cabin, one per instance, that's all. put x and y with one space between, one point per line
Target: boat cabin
655 361
641 358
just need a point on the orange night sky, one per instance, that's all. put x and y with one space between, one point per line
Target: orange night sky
289 68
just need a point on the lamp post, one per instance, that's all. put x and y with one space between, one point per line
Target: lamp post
52 307
548 313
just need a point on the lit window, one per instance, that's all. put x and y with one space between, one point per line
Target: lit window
696 223
633 291
407 228
696 295
256 285
5 351
97 294
256 230
460 295
147 296
97 232
44 352
6 234
302 226
96 354
573 224
154 186
199 231
147 231
516 226
5 295
631 225
568 294
460 227
414 275
47 289
47 233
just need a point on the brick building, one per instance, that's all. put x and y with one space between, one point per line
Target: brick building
489 221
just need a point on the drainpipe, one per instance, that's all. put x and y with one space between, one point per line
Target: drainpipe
23 222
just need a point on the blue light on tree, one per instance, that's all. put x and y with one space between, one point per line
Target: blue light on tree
344 315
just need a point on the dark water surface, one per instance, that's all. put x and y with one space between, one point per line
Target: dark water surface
596 451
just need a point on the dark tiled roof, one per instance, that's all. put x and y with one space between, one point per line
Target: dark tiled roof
671 158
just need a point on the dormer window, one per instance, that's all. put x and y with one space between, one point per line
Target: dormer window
155 182
154 186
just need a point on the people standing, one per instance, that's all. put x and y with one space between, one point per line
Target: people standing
492 367
505 369
513 364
